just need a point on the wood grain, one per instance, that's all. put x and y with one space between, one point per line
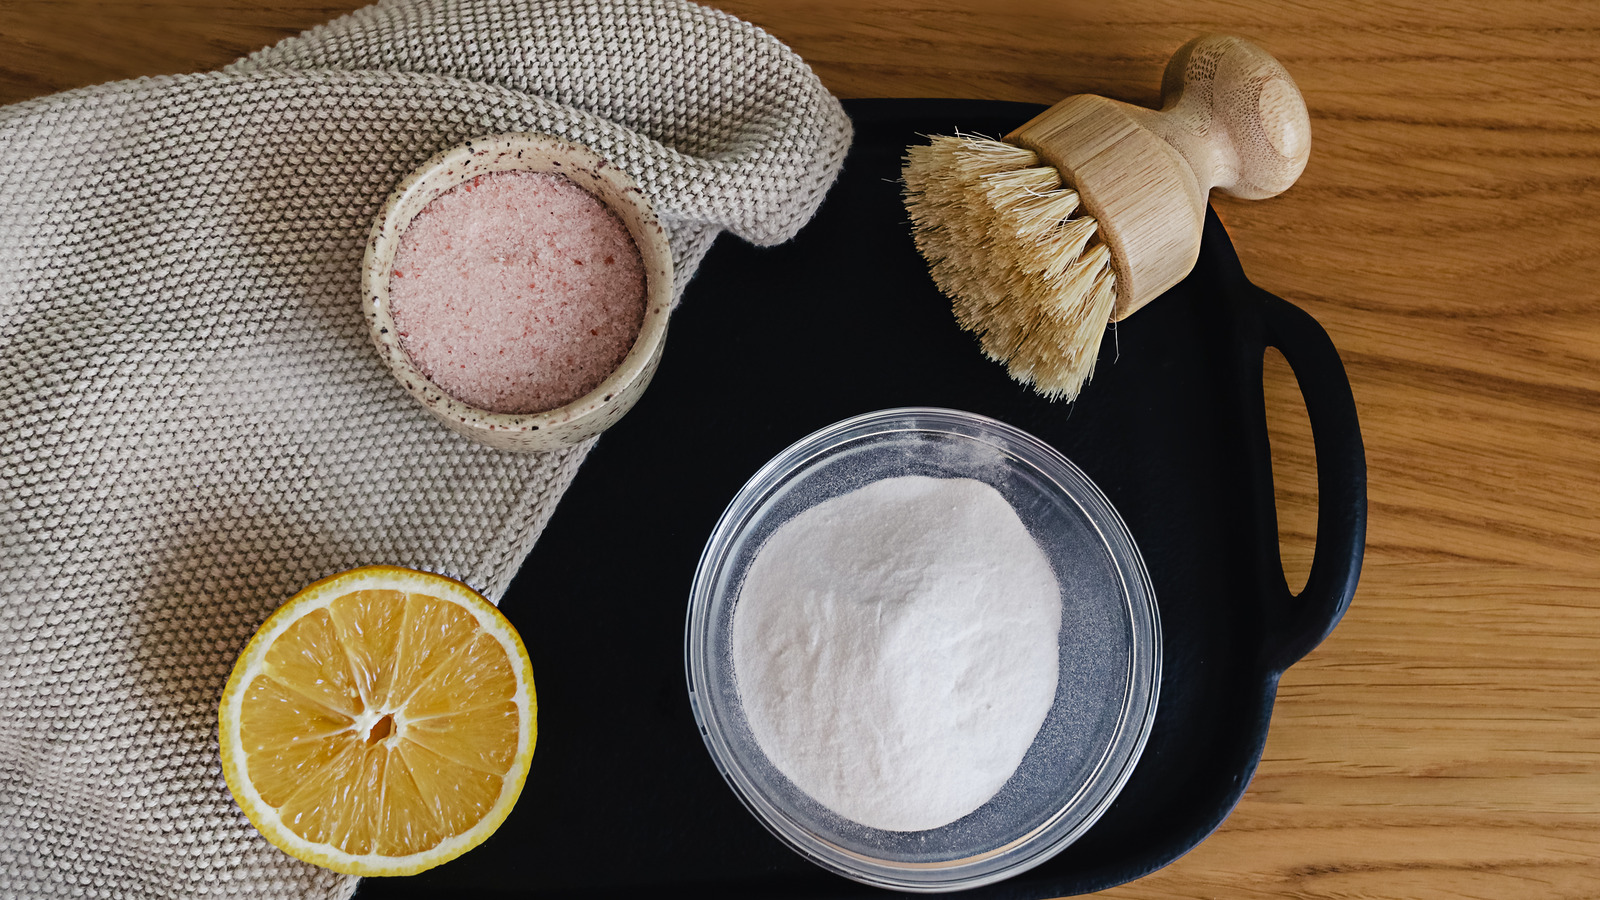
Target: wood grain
1445 741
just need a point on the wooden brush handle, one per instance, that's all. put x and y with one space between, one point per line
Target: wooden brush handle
1233 113
1232 119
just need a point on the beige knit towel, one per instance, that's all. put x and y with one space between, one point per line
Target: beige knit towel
193 423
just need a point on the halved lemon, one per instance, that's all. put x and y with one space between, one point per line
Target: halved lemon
381 722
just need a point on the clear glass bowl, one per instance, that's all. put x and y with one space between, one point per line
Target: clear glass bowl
1110 649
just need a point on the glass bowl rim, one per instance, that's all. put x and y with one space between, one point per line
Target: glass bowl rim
1127 742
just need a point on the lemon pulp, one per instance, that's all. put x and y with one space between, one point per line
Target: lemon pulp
381 722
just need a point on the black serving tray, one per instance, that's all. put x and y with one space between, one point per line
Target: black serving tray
772 344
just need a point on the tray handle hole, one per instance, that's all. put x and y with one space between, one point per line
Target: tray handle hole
1294 468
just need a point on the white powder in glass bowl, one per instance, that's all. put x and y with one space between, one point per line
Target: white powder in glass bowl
895 649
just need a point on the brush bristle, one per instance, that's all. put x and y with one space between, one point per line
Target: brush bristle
1011 247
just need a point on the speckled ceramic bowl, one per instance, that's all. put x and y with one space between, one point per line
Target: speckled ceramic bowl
595 411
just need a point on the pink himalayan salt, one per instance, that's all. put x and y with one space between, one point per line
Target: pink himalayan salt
517 292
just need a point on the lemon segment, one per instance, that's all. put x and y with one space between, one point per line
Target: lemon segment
381 722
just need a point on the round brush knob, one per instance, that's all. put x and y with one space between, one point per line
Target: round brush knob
1235 115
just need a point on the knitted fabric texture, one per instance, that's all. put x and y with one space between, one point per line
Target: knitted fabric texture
195 423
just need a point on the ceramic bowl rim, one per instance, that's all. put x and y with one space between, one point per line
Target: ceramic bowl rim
575 161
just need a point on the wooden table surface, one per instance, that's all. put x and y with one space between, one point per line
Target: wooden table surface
1445 741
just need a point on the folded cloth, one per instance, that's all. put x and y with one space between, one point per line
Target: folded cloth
193 422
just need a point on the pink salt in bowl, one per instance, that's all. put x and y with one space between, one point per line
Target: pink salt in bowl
599 407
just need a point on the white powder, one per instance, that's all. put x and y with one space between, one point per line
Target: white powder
895 649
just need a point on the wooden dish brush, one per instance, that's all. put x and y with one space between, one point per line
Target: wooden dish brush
1094 207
